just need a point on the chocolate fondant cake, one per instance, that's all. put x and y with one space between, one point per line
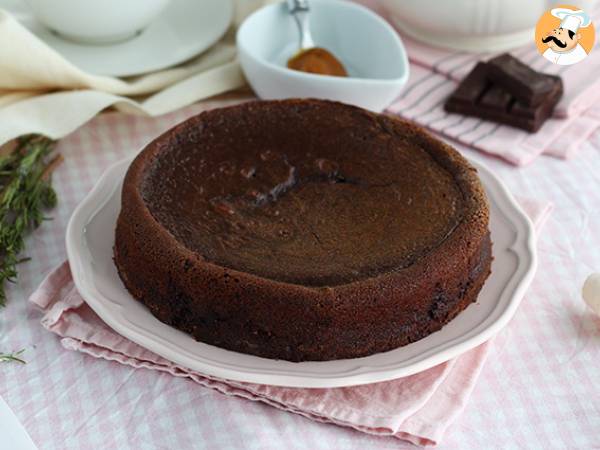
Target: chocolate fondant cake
302 230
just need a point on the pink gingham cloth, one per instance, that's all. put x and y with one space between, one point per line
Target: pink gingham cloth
417 408
435 73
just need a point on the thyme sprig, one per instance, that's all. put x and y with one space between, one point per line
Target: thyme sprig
25 192
13 357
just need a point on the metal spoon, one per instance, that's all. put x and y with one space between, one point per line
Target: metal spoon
299 10
310 58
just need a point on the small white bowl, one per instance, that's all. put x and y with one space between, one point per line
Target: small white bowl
97 21
366 44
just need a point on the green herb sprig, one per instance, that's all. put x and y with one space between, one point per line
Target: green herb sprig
25 192
13 357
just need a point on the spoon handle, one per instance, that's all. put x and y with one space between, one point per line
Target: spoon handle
299 9
298 5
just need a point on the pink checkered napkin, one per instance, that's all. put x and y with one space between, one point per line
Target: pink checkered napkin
417 408
436 72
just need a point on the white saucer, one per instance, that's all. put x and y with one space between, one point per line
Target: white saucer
183 30
90 238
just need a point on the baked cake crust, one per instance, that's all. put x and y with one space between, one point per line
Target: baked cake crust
190 260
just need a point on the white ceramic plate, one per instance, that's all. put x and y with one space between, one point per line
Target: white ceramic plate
184 29
90 238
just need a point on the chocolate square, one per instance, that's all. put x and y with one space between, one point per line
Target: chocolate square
469 91
524 83
496 98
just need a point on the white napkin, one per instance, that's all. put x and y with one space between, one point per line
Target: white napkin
41 92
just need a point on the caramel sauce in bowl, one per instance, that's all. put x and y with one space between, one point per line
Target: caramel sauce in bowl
319 61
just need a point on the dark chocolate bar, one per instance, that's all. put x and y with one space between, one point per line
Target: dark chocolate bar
524 83
473 86
477 96
496 98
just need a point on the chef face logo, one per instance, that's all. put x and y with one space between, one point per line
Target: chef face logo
565 35
561 40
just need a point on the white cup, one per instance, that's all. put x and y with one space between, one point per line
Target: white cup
97 21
